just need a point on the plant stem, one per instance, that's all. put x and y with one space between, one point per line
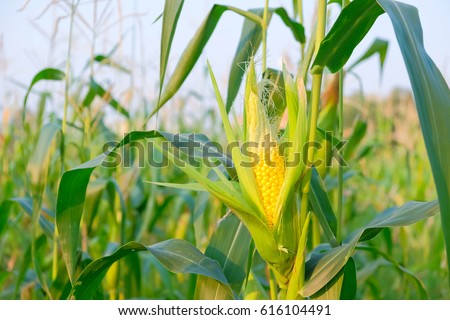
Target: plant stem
63 133
300 20
341 134
67 81
264 36
314 111
300 11
37 204
307 56
272 285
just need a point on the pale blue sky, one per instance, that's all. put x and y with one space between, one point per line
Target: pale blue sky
26 49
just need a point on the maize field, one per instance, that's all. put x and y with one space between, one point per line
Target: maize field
125 176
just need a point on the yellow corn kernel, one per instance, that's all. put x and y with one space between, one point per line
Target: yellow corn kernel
269 176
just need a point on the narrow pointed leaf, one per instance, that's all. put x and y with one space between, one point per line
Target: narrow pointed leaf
350 28
296 28
108 61
176 255
97 90
229 246
254 290
432 97
27 205
355 139
349 282
323 267
172 10
245 174
298 271
380 47
322 208
38 165
45 74
195 49
185 186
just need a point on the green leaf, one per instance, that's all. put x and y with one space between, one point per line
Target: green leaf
4 215
276 93
113 189
322 207
292 104
201 218
349 283
201 145
350 28
246 49
322 268
432 96
96 90
195 49
254 290
229 246
41 107
332 290
245 175
38 170
27 205
45 74
389 261
176 255
107 61
172 11
72 194
71 197
380 47
22 269
431 92
355 139
297 277
339 2
38 165
184 186
296 28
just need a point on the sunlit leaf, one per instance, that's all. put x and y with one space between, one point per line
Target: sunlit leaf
380 47
171 13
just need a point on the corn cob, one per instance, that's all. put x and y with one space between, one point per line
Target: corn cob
269 171
269 179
